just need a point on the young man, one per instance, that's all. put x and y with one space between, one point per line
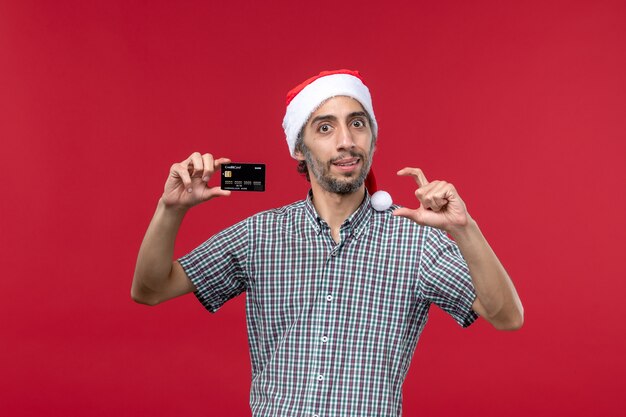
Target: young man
337 293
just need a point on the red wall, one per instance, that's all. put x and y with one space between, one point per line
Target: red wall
522 105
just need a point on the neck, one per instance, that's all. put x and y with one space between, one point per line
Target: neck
333 208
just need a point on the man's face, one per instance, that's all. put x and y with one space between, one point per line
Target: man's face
337 145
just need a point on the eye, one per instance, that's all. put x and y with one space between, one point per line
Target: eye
324 128
358 123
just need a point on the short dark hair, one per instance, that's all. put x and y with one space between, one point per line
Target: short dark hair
302 166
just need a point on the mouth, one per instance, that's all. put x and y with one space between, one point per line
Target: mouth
347 164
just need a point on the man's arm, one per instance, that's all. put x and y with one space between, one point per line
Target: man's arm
496 298
157 278
441 207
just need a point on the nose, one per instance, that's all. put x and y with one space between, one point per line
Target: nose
345 139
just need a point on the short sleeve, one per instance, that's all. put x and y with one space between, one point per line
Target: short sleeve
444 278
218 266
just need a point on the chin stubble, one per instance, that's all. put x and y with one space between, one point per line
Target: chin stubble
321 172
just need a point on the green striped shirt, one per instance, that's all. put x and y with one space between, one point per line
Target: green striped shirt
332 326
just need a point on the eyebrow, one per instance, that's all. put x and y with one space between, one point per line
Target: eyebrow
324 117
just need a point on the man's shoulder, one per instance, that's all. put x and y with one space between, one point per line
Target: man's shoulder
295 208
285 217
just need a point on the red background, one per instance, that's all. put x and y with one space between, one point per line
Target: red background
522 105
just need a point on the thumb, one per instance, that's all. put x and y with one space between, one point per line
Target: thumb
216 192
408 213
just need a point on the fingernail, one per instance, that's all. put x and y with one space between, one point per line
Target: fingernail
205 179
188 190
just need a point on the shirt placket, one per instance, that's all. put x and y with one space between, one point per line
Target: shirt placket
325 331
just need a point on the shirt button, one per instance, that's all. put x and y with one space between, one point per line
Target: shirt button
324 339
329 297
320 377
316 415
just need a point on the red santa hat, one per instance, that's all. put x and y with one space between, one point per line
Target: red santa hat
304 99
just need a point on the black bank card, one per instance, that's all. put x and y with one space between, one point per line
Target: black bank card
243 177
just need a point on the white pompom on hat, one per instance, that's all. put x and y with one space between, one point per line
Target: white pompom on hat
307 97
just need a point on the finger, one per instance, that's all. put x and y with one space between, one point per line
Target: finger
217 192
207 160
217 163
409 214
416 173
404 212
423 191
441 194
181 171
423 194
221 161
196 160
433 196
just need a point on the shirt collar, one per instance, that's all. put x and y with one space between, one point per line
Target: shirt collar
357 220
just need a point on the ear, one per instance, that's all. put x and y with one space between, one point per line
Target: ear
298 154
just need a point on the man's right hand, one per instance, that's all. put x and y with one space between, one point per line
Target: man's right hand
187 185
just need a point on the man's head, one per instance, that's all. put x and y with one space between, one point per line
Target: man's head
331 130
336 145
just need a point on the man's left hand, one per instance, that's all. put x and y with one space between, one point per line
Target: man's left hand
440 204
